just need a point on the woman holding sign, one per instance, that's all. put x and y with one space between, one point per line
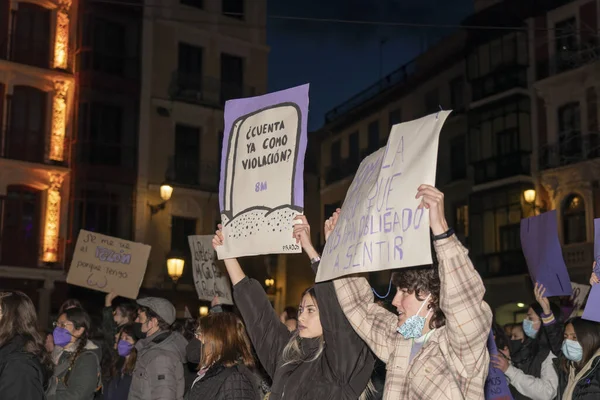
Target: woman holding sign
436 347
324 358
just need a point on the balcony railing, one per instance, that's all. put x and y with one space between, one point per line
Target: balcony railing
499 81
36 53
196 174
198 89
20 145
568 59
578 255
501 264
502 167
575 148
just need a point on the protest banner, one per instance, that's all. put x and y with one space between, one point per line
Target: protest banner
262 172
580 293
108 264
591 311
543 253
210 279
381 225
496 386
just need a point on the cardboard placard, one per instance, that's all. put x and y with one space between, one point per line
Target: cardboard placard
108 264
210 277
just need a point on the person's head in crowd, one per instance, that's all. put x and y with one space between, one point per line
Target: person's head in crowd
581 343
508 329
125 313
189 328
154 315
73 326
224 340
18 319
529 337
533 325
500 337
417 298
517 332
70 303
125 341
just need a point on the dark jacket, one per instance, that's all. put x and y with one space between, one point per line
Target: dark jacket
118 387
221 383
84 378
588 384
22 375
341 372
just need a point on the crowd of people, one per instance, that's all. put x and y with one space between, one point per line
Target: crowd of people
340 343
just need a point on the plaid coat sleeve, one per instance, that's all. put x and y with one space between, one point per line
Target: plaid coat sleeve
468 317
373 323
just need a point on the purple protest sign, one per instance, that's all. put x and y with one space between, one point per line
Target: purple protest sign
541 247
591 311
262 187
496 387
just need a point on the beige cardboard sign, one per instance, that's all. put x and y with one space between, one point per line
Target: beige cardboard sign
210 277
108 264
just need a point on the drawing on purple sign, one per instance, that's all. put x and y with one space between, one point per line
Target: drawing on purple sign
543 253
496 387
381 225
262 187
591 311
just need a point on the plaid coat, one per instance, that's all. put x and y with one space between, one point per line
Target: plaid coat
453 364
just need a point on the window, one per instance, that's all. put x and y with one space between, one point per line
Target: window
510 237
109 51
232 77
181 228
569 133
566 44
457 87
335 153
461 222
373 139
353 143
458 158
193 3
31 36
20 226
432 101
233 8
105 135
100 212
591 98
25 139
574 220
187 154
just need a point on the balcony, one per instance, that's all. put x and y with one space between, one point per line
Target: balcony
567 60
196 174
575 148
579 255
502 264
501 80
206 91
505 166
35 53
25 145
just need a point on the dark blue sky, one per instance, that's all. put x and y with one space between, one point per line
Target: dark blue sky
339 60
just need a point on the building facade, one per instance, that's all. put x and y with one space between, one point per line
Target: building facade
197 56
37 102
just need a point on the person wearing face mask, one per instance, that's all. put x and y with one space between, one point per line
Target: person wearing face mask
158 372
530 369
77 374
436 347
114 319
579 368
322 359
120 372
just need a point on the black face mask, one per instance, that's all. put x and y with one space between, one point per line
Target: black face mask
137 329
193 351
515 346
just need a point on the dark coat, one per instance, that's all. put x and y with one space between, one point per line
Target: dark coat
22 375
221 383
588 386
341 372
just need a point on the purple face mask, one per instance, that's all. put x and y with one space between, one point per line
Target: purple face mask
124 348
62 337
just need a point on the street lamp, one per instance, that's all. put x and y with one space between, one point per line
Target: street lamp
175 265
529 196
203 311
269 282
166 191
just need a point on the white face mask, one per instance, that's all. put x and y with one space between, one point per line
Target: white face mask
413 327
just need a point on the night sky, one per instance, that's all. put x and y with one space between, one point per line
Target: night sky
339 60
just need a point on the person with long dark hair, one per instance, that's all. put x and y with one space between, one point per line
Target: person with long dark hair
77 373
120 373
324 358
113 319
226 359
530 370
579 369
25 365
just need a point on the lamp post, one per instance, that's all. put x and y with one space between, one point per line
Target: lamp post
166 191
175 265
529 196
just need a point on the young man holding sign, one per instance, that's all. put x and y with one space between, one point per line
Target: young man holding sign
436 347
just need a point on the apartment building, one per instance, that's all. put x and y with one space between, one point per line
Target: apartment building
37 102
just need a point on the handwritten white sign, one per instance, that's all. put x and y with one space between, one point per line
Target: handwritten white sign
381 225
580 293
108 264
210 279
